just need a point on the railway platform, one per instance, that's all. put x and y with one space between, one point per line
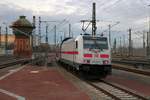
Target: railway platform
38 83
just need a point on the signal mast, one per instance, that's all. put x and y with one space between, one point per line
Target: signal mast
93 21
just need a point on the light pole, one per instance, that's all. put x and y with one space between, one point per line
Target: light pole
148 36
6 37
109 28
0 35
46 37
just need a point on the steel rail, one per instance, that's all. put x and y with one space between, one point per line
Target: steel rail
104 91
127 91
117 96
132 62
14 62
133 70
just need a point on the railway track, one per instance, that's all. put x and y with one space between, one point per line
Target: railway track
9 60
113 92
133 70
13 62
133 62
135 66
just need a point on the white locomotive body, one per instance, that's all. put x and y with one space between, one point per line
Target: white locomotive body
87 53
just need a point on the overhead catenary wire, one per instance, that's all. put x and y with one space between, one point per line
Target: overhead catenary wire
60 22
144 3
110 4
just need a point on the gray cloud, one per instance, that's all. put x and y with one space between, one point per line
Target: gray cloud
128 12
10 12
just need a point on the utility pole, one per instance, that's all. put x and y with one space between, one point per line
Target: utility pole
60 39
144 40
55 35
124 45
46 51
144 43
148 39
46 38
94 20
109 30
130 43
69 30
147 52
115 45
6 40
120 47
39 30
0 35
72 34
64 35
33 34
109 35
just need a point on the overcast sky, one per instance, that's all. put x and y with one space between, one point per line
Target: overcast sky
131 13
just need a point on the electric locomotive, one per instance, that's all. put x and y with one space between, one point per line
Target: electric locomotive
87 53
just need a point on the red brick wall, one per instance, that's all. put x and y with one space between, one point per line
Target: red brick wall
22 47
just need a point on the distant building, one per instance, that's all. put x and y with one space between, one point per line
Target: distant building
11 39
10 42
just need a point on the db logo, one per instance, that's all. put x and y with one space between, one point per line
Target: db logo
96 55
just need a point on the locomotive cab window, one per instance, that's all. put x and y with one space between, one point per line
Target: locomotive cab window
76 44
99 43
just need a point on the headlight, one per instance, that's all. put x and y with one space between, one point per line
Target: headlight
106 62
87 61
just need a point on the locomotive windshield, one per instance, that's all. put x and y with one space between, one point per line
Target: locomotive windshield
98 43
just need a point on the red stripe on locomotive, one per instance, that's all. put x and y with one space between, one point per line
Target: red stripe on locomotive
70 52
104 56
88 55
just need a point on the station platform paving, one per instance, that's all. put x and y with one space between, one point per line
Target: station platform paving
39 83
